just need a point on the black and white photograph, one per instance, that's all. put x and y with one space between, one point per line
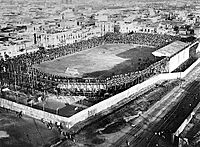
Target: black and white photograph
99 73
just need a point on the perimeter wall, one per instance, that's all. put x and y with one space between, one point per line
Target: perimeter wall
97 108
29 111
117 98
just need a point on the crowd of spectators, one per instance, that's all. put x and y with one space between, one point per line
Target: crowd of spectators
155 40
20 71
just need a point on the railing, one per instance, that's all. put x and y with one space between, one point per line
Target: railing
23 74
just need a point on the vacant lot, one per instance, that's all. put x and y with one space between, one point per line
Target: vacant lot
102 61
24 132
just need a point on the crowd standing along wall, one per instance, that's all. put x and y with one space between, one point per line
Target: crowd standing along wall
95 109
84 114
129 79
108 103
35 113
103 105
20 70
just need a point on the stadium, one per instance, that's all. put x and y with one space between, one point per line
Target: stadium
66 80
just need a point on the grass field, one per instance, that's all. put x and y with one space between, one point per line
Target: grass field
101 62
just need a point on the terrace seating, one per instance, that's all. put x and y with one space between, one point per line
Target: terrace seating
19 70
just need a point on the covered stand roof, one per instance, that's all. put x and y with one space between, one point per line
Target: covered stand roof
170 49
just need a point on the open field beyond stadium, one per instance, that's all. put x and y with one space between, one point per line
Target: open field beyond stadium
101 62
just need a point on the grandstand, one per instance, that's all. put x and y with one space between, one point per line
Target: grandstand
95 69
178 52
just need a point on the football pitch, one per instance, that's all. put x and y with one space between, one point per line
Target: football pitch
99 62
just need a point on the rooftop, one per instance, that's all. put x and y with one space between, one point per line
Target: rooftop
170 50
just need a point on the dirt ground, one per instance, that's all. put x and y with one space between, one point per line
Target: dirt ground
24 132
104 60
105 130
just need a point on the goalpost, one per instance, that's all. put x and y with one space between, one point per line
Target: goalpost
72 71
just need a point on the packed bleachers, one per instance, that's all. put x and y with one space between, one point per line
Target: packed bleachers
139 38
19 71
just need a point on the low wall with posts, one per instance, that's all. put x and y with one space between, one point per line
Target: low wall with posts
93 110
84 114
103 105
29 111
97 108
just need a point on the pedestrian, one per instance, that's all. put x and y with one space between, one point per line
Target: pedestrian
127 143
20 114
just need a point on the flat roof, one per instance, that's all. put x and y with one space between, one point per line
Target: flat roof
170 49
